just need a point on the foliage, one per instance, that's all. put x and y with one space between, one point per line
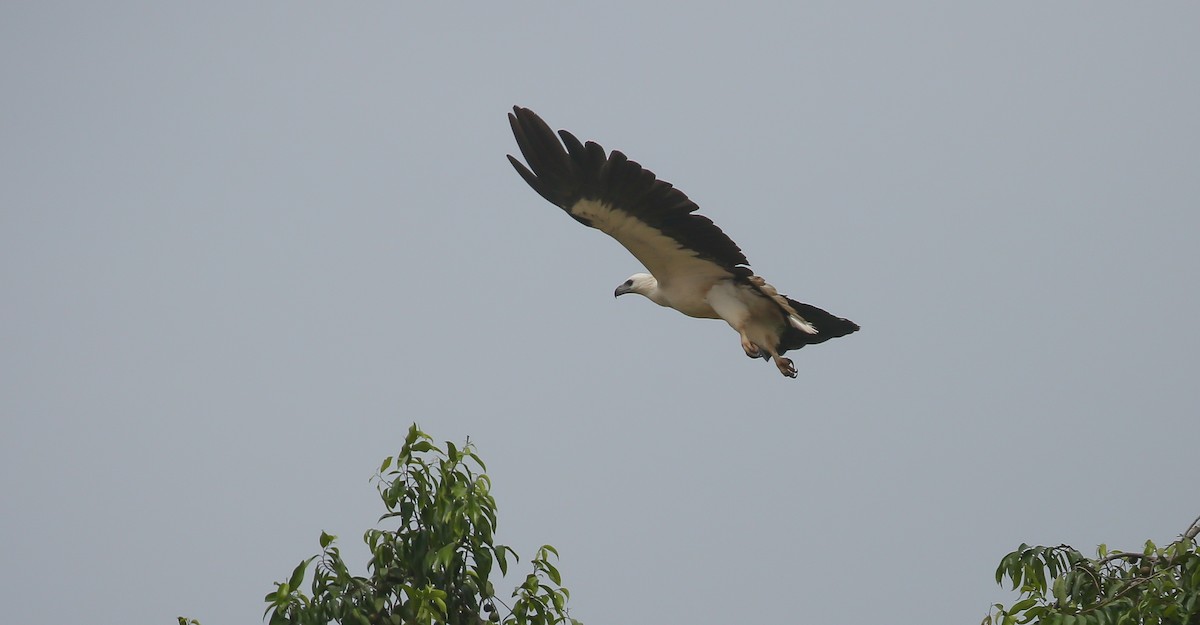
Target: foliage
436 566
1059 586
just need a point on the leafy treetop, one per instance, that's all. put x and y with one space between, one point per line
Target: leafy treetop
1059 586
436 565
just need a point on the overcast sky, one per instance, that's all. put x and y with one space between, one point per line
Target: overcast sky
244 245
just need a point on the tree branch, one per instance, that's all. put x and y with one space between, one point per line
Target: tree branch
1122 555
1192 530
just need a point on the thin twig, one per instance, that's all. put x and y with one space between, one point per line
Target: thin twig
1095 579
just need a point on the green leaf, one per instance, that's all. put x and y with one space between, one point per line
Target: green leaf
1039 574
441 604
552 573
298 573
501 558
387 462
1004 566
414 433
1016 572
483 562
446 554
327 539
1022 605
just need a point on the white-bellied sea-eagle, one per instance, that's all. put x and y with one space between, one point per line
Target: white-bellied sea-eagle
694 267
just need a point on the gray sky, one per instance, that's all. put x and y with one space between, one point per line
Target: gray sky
244 245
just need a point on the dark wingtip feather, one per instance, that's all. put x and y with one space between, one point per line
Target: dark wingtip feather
549 170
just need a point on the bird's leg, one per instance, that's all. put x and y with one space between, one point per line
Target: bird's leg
785 365
750 348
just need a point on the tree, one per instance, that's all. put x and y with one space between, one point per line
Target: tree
436 566
1059 586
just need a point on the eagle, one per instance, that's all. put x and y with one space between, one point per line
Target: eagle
693 266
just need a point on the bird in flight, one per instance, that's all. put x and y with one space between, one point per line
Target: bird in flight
693 266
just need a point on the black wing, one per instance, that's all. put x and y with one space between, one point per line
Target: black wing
653 220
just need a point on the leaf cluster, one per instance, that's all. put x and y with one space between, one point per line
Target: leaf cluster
436 563
1060 586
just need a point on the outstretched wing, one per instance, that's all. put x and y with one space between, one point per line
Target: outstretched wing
656 222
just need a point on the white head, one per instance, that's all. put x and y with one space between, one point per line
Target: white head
640 283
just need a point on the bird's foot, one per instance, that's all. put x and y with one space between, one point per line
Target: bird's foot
785 366
750 348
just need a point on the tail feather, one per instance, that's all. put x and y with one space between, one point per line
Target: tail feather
827 325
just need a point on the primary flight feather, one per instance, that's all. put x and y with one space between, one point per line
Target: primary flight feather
693 266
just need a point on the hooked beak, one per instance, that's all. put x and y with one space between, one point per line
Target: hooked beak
623 289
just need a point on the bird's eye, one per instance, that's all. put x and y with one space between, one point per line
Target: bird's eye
629 283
